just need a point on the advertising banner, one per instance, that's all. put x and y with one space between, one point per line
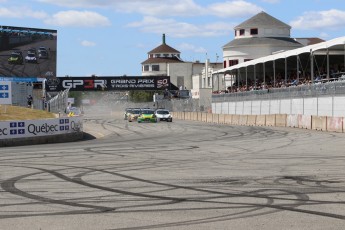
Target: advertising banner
107 83
5 93
36 128
26 51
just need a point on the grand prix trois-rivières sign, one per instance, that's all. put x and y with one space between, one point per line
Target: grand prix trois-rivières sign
107 83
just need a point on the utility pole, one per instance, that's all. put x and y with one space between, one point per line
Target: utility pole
217 71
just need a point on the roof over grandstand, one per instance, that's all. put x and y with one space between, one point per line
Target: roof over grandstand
334 46
272 41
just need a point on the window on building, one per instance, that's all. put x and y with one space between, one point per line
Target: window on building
233 62
254 31
166 55
241 32
146 68
151 56
247 60
224 64
155 67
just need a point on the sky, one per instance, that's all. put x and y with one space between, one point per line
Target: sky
113 37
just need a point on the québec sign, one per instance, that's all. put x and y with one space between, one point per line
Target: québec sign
35 128
107 83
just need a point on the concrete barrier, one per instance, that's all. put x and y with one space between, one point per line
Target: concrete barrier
69 137
319 123
292 121
209 117
243 119
190 115
304 121
215 118
176 115
331 124
204 117
221 119
196 116
41 131
228 119
199 116
271 120
281 120
260 120
235 119
335 124
251 120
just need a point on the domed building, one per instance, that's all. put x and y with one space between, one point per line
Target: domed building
166 61
259 36
159 58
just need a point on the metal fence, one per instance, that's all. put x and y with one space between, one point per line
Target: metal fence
58 104
301 91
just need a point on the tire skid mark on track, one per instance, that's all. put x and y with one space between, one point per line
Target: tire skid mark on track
212 195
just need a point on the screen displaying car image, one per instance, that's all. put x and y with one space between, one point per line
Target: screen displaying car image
27 52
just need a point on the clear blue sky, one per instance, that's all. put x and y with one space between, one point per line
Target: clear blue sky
112 37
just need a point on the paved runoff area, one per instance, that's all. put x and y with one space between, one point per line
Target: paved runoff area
178 175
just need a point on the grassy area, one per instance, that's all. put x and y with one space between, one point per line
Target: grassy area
8 112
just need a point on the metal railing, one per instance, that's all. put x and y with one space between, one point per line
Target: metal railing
300 91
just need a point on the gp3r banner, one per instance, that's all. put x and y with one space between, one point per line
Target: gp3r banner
107 83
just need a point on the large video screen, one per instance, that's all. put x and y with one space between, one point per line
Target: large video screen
27 52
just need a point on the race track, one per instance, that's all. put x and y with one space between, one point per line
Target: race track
179 175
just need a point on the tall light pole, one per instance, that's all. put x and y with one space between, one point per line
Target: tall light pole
217 71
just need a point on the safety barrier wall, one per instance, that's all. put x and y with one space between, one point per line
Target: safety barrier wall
321 123
260 120
271 120
23 132
331 106
281 120
335 124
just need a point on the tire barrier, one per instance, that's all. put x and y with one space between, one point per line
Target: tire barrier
320 123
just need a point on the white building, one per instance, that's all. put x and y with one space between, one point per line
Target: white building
260 35
166 61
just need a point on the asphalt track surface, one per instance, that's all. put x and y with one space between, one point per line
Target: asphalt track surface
179 175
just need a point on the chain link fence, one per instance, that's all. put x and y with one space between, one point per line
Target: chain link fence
58 103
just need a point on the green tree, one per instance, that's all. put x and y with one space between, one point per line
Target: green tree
141 96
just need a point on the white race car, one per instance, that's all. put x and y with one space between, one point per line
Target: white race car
163 115
31 58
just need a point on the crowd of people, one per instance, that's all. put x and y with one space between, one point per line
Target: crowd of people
280 82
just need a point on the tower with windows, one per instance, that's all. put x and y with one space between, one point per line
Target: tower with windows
159 59
259 36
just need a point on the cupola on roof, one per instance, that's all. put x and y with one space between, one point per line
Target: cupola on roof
262 19
164 48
